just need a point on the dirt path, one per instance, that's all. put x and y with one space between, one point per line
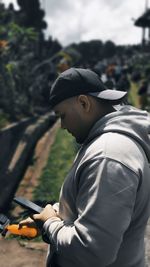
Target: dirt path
32 174
41 153
12 254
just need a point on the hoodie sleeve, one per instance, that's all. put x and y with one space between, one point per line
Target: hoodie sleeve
105 201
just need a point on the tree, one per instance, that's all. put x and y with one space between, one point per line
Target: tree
30 14
90 51
22 88
109 49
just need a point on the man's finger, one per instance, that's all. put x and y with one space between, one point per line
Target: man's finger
26 222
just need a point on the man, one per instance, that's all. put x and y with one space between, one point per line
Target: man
104 201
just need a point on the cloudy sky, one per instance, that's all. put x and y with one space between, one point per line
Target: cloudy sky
83 20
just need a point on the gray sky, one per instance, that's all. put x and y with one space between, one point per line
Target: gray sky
83 20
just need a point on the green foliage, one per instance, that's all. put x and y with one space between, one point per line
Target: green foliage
95 50
60 160
22 48
15 32
31 15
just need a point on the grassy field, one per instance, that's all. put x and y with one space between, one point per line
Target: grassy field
59 162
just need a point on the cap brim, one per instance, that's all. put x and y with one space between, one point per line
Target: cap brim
110 94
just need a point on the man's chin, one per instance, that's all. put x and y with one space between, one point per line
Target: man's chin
80 140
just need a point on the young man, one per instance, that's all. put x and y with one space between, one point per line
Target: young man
105 201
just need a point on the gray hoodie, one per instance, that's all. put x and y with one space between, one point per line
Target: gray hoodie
105 198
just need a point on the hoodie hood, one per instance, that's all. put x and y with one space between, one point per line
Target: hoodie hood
126 120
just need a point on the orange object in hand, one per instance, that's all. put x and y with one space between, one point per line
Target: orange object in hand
23 231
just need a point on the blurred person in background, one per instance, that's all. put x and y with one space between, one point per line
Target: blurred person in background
142 93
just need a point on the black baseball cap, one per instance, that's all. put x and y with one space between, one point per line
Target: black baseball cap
77 81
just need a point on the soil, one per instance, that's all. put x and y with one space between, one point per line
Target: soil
13 254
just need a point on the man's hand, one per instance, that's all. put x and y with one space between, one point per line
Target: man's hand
47 213
37 220
30 223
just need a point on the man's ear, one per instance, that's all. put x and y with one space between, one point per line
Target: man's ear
84 102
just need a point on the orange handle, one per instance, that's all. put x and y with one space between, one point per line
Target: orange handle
24 231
